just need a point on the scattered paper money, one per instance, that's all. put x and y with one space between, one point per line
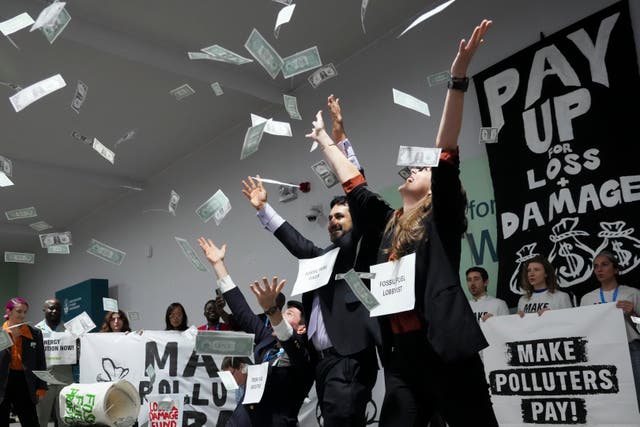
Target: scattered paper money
127 137
322 74
217 89
438 78
287 194
51 32
79 137
109 155
173 202
361 274
291 105
52 239
29 212
181 92
191 255
363 11
218 53
635 320
216 207
427 15
283 1
106 252
411 102
360 290
284 16
418 156
40 226
264 53
48 15
79 96
199 55
301 62
80 325
227 380
405 172
58 249
15 24
324 172
5 181
13 86
133 315
272 127
224 343
151 373
5 340
252 139
6 166
488 135
20 257
31 94
48 377
109 304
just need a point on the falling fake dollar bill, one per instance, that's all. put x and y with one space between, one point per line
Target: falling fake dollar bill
20 257
79 96
29 212
54 239
427 15
291 105
438 78
410 102
40 226
219 53
264 53
101 149
324 172
322 74
106 252
405 172
216 207
272 127
52 31
301 62
79 137
284 16
363 11
5 340
31 94
360 290
191 255
224 343
181 92
126 137
173 202
252 139
418 156
217 89
58 249
80 325
488 135
48 15
109 304
15 24
6 166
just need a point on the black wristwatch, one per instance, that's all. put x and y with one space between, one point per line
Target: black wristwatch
458 83
271 311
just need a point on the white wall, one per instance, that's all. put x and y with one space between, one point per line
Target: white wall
375 125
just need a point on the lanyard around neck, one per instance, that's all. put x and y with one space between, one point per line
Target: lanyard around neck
614 297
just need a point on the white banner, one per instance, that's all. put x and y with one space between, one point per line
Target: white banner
567 367
178 369
59 348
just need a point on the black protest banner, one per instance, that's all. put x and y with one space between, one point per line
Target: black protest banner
564 170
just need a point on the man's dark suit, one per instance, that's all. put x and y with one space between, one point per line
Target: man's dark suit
353 333
286 386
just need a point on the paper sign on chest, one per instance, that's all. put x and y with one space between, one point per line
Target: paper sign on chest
314 273
394 285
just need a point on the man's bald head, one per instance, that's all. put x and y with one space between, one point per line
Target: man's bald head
52 312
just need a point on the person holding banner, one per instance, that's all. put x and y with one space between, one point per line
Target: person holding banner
541 290
175 318
430 352
20 389
115 321
606 268
483 304
282 345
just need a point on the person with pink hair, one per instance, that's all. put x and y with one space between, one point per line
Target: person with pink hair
20 389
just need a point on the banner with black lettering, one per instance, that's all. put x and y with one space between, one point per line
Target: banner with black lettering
564 170
177 370
566 367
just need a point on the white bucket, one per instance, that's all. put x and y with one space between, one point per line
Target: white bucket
114 404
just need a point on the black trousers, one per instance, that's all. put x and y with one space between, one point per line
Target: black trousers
418 384
18 397
343 385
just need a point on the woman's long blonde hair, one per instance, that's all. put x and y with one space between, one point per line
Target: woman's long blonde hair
407 228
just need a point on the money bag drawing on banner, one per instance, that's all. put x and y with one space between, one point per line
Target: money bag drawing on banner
571 258
524 254
618 240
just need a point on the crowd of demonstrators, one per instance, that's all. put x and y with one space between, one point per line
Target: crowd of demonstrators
115 321
341 355
540 288
282 343
175 318
427 369
20 389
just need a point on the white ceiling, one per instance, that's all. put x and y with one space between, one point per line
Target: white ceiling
131 53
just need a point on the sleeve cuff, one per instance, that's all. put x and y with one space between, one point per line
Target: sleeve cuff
269 218
226 284
41 392
283 330
450 156
352 183
347 149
